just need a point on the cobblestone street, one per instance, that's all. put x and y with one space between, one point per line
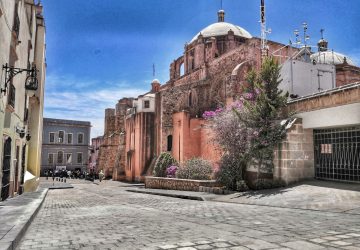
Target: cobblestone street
104 216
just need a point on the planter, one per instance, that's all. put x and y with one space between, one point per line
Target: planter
178 184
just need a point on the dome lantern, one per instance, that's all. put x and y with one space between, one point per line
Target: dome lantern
221 16
322 44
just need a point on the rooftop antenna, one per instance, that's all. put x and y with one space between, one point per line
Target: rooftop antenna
322 33
264 31
221 4
154 70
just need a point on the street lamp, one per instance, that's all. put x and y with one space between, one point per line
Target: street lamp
31 82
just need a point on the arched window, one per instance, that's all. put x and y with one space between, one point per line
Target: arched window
190 99
169 142
182 69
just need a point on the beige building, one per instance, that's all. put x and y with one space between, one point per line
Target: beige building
22 58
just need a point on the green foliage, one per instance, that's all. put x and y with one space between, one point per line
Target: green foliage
164 161
264 114
231 173
195 169
251 129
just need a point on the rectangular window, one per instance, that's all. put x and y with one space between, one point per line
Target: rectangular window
60 157
80 138
51 158
52 137
68 158
146 104
69 138
61 136
79 158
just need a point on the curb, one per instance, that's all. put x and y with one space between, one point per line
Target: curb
18 231
180 196
60 187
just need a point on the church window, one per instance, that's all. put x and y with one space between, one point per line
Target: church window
182 70
146 104
169 142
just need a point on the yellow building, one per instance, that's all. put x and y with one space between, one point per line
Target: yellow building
22 58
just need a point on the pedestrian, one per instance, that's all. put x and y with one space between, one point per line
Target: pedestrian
46 174
101 175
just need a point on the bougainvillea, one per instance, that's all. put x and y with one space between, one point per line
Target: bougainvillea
164 161
171 171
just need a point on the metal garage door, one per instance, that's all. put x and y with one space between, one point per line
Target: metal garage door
337 154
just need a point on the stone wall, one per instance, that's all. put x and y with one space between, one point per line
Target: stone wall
341 96
208 86
294 157
178 184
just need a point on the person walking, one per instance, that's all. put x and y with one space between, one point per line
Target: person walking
101 175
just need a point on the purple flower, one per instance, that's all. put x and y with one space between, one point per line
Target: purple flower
248 96
171 171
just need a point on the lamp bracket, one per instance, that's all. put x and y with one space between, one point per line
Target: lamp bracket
11 72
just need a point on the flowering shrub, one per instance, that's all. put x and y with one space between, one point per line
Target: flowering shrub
231 173
249 129
164 161
212 114
171 171
195 169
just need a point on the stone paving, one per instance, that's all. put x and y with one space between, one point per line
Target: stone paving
314 194
106 216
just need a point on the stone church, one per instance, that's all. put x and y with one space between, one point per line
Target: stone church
211 72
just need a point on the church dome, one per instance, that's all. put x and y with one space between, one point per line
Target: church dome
221 28
155 81
331 57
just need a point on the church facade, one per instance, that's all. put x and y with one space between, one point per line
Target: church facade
212 72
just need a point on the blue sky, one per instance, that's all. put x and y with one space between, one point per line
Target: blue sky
99 51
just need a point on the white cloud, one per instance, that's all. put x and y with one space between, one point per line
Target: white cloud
78 99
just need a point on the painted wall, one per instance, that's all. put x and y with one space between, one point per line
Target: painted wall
68 127
22 43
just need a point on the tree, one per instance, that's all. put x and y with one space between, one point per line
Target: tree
249 130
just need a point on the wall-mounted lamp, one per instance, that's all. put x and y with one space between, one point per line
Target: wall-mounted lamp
20 131
31 82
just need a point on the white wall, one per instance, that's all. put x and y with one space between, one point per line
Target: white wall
346 115
302 78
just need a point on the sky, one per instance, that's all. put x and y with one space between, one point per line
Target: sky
99 51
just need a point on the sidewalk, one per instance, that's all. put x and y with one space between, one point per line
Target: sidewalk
16 214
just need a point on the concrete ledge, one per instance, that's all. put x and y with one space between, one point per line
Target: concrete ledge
174 195
178 184
16 215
